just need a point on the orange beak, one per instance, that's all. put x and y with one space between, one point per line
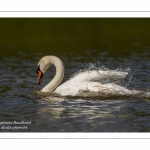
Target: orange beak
40 76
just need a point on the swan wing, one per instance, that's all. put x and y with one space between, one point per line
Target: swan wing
110 88
73 88
99 75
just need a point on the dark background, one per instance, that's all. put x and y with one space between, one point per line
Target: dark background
118 36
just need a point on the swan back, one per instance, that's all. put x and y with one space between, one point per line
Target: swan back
92 81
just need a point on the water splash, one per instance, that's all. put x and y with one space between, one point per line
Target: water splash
99 67
125 83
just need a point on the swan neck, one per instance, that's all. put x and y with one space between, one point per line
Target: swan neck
50 87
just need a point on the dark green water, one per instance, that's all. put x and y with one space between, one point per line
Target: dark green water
115 43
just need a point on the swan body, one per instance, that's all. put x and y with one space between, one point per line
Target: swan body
91 81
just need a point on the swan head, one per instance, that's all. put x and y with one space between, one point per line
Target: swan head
42 66
40 74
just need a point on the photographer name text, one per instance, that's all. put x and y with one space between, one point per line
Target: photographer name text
14 124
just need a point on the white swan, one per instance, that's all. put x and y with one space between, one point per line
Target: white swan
85 81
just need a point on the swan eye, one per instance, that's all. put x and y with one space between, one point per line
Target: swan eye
38 69
40 75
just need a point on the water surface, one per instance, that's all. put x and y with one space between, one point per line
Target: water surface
115 43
